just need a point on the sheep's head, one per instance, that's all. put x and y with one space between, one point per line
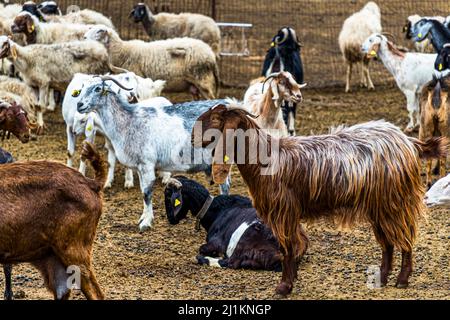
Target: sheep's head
216 129
173 200
32 8
25 23
439 194
101 34
49 7
372 45
420 30
140 12
13 119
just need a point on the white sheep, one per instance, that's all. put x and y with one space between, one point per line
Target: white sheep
185 63
24 95
44 66
355 30
424 46
50 12
37 32
164 25
439 194
89 124
411 71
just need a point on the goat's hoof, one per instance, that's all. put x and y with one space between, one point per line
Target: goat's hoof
108 185
51 108
401 284
371 88
129 185
284 289
40 130
144 227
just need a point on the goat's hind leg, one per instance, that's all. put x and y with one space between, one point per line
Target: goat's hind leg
349 76
388 255
7 269
406 271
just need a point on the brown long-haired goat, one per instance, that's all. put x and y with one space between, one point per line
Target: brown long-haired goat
48 217
13 119
367 172
435 118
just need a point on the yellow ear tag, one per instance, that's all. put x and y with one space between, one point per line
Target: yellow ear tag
89 128
419 35
76 93
373 53
272 44
177 202
226 159
32 27
440 67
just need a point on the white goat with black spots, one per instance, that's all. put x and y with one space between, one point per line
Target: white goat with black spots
149 138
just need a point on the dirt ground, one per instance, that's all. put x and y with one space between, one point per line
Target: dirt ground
160 263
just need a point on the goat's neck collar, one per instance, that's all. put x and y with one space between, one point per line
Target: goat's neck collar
201 214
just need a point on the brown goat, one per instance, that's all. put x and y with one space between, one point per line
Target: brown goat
434 117
13 119
48 217
267 104
369 172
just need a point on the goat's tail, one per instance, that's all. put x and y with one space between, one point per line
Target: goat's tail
90 153
433 148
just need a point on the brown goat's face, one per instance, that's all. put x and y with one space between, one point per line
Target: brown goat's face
14 120
288 89
212 119
23 23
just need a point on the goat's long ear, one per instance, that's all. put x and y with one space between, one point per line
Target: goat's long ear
274 87
2 115
224 152
30 26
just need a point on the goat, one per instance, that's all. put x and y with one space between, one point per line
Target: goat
367 172
129 126
184 63
434 120
284 55
6 157
44 66
48 217
425 46
354 31
411 71
282 90
440 35
439 194
234 230
76 123
164 26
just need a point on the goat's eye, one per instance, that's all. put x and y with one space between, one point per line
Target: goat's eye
98 89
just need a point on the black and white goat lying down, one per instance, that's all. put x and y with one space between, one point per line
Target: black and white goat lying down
236 237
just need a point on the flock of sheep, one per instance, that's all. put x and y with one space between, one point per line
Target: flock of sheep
368 172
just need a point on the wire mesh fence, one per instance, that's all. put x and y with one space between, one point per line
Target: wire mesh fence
317 22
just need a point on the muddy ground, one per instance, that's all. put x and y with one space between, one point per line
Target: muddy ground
160 263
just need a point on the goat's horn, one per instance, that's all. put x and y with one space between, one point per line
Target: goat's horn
388 34
106 78
294 35
271 76
285 35
447 45
175 183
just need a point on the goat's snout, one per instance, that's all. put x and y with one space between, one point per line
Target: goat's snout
79 106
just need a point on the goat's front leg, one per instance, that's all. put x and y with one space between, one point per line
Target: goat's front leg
349 76
225 187
83 166
51 100
411 106
71 143
111 162
147 180
289 272
43 101
7 269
